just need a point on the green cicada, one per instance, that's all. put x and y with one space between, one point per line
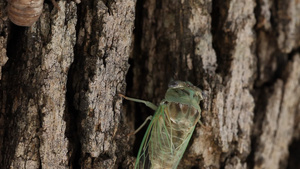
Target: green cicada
171 127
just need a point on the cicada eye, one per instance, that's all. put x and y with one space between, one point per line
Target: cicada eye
204 94
173 84
189 83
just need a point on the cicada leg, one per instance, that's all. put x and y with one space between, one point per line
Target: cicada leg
148 104
141 126
202 125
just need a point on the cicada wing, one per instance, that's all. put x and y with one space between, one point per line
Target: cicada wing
159 138
183 147
142 160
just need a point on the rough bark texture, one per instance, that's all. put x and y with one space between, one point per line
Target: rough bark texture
60 80
59 103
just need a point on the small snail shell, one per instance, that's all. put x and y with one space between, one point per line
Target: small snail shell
24 12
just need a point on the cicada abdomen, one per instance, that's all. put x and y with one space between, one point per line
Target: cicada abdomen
171 127
24 12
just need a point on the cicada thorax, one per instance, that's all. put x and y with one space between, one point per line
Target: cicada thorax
171 134
24 12
182 115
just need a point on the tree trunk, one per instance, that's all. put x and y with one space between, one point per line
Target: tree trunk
60 80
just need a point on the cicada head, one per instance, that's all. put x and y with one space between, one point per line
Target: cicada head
184 93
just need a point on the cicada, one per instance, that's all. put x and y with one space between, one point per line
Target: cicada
171 127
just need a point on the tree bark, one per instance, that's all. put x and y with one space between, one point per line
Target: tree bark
60 80
60 107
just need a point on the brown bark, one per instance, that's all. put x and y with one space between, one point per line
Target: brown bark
60 80
57 117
